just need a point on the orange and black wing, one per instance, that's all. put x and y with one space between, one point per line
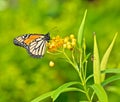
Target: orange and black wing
34 43
25 40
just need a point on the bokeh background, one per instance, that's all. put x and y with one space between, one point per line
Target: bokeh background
23 78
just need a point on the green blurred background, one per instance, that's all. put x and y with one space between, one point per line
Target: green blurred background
23 78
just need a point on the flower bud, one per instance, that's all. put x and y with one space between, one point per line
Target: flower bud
71 36
51 64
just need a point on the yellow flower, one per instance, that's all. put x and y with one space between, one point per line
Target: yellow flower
71 36
66 39
69 42
55 43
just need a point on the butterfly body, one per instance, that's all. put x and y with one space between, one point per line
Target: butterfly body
35 44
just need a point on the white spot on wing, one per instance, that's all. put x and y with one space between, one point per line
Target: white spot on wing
39 43
36 52
39 39
19 39
33 52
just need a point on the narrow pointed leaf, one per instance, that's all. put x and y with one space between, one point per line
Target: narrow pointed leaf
112 70
106 57
100 92
42 97
87 56
96 63
111 79
81 29
90 76
61 89
114 89
73 89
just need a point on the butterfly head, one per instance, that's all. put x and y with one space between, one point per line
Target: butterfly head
47 36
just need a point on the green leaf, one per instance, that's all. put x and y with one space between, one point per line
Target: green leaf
112 70
96 63
114 89
54 94
81 29
73 89
87 56
106 57
100 92
43 96
61 89
111 79
90 76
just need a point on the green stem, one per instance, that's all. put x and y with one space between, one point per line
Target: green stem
92 95
69 60
81 72
81 67
87 94
85 71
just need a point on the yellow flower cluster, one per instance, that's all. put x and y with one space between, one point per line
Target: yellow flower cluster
55 43
68 42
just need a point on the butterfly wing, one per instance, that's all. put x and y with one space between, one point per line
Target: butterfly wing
34 43
19 41
37 48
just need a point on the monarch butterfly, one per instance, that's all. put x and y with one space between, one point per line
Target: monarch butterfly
35 44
